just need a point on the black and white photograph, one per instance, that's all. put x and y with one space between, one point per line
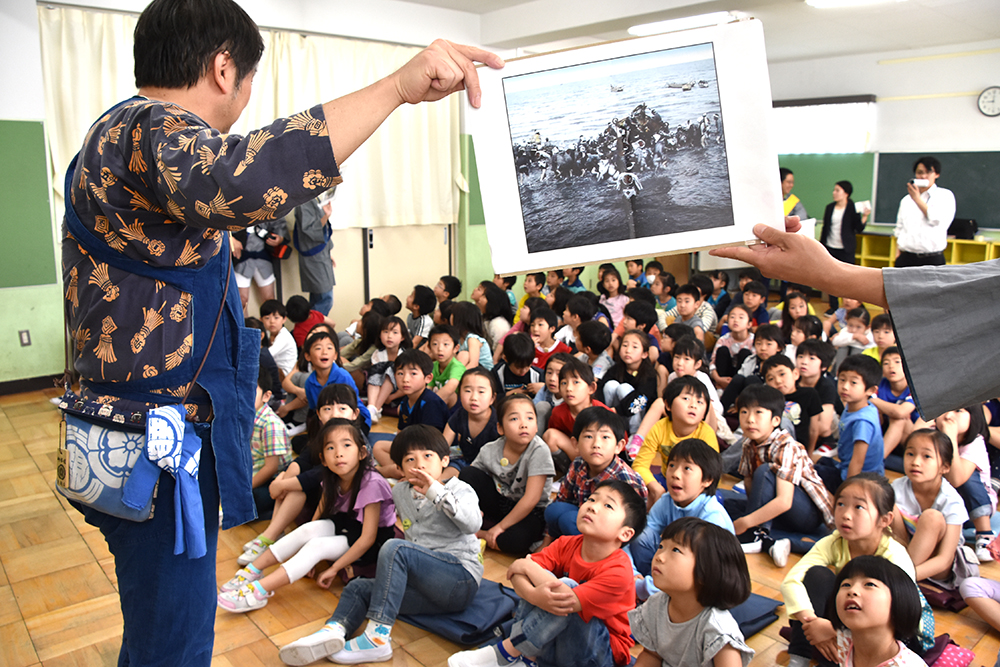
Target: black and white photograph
655 145
621 149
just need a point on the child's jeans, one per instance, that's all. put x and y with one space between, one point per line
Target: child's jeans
803 517
440 585
977 500
560 517
561 640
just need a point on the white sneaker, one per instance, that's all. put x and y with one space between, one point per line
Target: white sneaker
779 552
982 548
324 642
376 414
377 647
480 657
243 600
251 550
240 579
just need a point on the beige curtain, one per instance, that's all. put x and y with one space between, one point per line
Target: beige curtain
406 174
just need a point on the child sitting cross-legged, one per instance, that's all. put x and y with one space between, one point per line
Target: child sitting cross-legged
593 340
269 447
630 385
575 593
802 404
421 304
420 405
732 349
512 476
692 476
895 406
548 396
600 436
702 574
515 373
543 325
860 446
883 334
435 569
473 425
783 490
576 386
447 370
355 517
686 405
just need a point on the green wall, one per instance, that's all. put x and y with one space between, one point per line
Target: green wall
815 176
39 310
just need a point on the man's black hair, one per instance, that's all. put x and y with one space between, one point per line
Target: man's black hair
597 417
632 503
869 369
594 335
762 396
176 41
518 349
452 285
930 163
784 172
417 437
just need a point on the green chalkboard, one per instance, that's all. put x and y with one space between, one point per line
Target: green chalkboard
26 254
973 177
815 175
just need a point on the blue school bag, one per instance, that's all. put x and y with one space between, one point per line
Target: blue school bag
488 617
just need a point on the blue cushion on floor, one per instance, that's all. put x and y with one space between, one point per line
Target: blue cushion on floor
755 614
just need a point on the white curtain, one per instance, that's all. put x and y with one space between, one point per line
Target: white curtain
406 174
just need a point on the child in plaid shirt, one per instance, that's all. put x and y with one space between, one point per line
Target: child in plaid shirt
599 434
268 445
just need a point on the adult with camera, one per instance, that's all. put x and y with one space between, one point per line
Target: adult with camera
924 216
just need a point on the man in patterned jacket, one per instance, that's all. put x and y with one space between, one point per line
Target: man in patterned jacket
151 196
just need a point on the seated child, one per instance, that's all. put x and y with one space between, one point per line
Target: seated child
282 345
732 349
576 386
636 276
640 315
812 358
577 310
548 396
835 321
522 325
688 300
754 297
533 284
859 447
856 336
393 337
414 372
883 334
345 337
630 386
267 361
600 436
702 574
543 326
686 404
697 305
671 334
515 373
613 294
576 592
767 342
744 277
706 311
301 312
474 423
895 405
447 289
505 283
689 359
299 486
794 306
447 370
320 352
783 490
435 569
512 476
355 517
653 269
473 348
692 476
421 304
571 279
357 356
593 340
663 287
268 445
802 404
804 328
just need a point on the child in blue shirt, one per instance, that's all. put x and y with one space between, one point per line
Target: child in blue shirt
860 447
321 351
895 404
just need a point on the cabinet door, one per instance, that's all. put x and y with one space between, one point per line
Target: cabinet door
401 257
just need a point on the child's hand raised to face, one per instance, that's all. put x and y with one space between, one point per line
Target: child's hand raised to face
420 480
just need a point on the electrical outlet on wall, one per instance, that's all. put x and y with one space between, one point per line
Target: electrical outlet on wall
25 336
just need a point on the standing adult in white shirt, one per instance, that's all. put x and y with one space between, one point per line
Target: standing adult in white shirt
924 217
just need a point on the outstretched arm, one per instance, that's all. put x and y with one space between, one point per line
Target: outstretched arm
436 72
789 256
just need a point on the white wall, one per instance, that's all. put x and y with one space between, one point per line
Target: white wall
926 98
20 51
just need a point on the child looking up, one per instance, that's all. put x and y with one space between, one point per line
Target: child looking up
473 348
553 279
593 340
355 517
495 307
630 385
436 567
447 370
447 289
321 353
393 337
512 476
895 406
576 592
783 490
282 346
521 325
515 373
268 446
599 435
702 574
883 334
929 511
543 327
533 283
686 405
876 601
859 447
802 404
970 470
613 294
692 476
733 348
863 513
421 304
505 283
576 386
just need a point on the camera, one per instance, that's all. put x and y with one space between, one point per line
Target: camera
920 182
261 232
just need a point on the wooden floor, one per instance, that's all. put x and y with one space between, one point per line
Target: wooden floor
59 604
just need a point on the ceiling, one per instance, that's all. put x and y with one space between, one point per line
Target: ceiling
793 30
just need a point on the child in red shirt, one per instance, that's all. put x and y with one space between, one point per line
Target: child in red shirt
305 318
575 593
